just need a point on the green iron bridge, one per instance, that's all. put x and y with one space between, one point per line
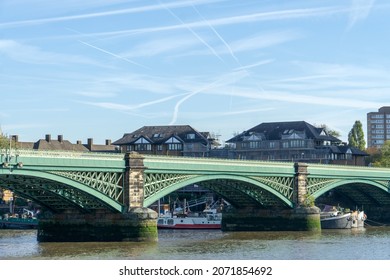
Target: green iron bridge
86 187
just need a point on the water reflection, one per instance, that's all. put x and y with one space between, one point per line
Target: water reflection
370 243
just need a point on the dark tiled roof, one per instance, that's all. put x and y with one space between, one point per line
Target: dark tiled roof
160 134
102 148
276 130
55 145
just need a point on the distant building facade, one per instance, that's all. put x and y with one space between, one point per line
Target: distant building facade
293 141
174 140
378 127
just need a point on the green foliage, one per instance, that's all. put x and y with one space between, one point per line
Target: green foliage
309 201
356 136
384 156
4 141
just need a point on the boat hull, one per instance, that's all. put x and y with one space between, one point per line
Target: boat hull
18 223
188 223
343 221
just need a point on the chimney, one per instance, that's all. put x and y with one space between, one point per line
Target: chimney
90 143
48 137
78 142
108 142
60 138
15 138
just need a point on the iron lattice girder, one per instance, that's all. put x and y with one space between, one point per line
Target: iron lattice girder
52 195
316 184
242 194
283 185
160 183
108 183
359 191
230 192
157 182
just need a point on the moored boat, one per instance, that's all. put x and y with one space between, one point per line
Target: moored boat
14 221
358 218
333 218
205 220
336 221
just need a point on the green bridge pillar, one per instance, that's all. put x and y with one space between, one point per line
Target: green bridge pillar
302 217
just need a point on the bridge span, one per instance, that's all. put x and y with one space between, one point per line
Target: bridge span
94 196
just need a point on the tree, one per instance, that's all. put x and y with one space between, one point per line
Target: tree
384 158
329 131
356 136
4 141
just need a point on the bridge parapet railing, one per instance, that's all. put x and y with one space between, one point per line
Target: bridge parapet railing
218 160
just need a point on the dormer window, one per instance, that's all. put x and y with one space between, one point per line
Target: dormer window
191 136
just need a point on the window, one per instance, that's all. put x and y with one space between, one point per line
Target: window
142 147
297 143
254 144
175 147
159 148
272 145
191 136
285 145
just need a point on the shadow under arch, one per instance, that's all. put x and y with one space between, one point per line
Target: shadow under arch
203 178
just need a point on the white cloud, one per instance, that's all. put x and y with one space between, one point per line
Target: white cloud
360 10
31 54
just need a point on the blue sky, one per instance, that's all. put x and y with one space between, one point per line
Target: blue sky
101 68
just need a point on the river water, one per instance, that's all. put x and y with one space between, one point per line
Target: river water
371 243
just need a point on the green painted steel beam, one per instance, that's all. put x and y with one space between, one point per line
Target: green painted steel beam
110 203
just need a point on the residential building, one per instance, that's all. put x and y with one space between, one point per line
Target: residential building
60 144
293 141
175 140
378 127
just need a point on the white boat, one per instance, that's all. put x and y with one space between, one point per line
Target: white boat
358 218
208 219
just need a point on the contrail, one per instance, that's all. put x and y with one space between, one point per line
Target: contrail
114 55
208 86
177 4
193 32
216 33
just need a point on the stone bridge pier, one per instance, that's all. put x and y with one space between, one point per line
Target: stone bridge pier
303 217
138 224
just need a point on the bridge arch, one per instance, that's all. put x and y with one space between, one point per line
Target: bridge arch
212 178
33 184
340 183
355 192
